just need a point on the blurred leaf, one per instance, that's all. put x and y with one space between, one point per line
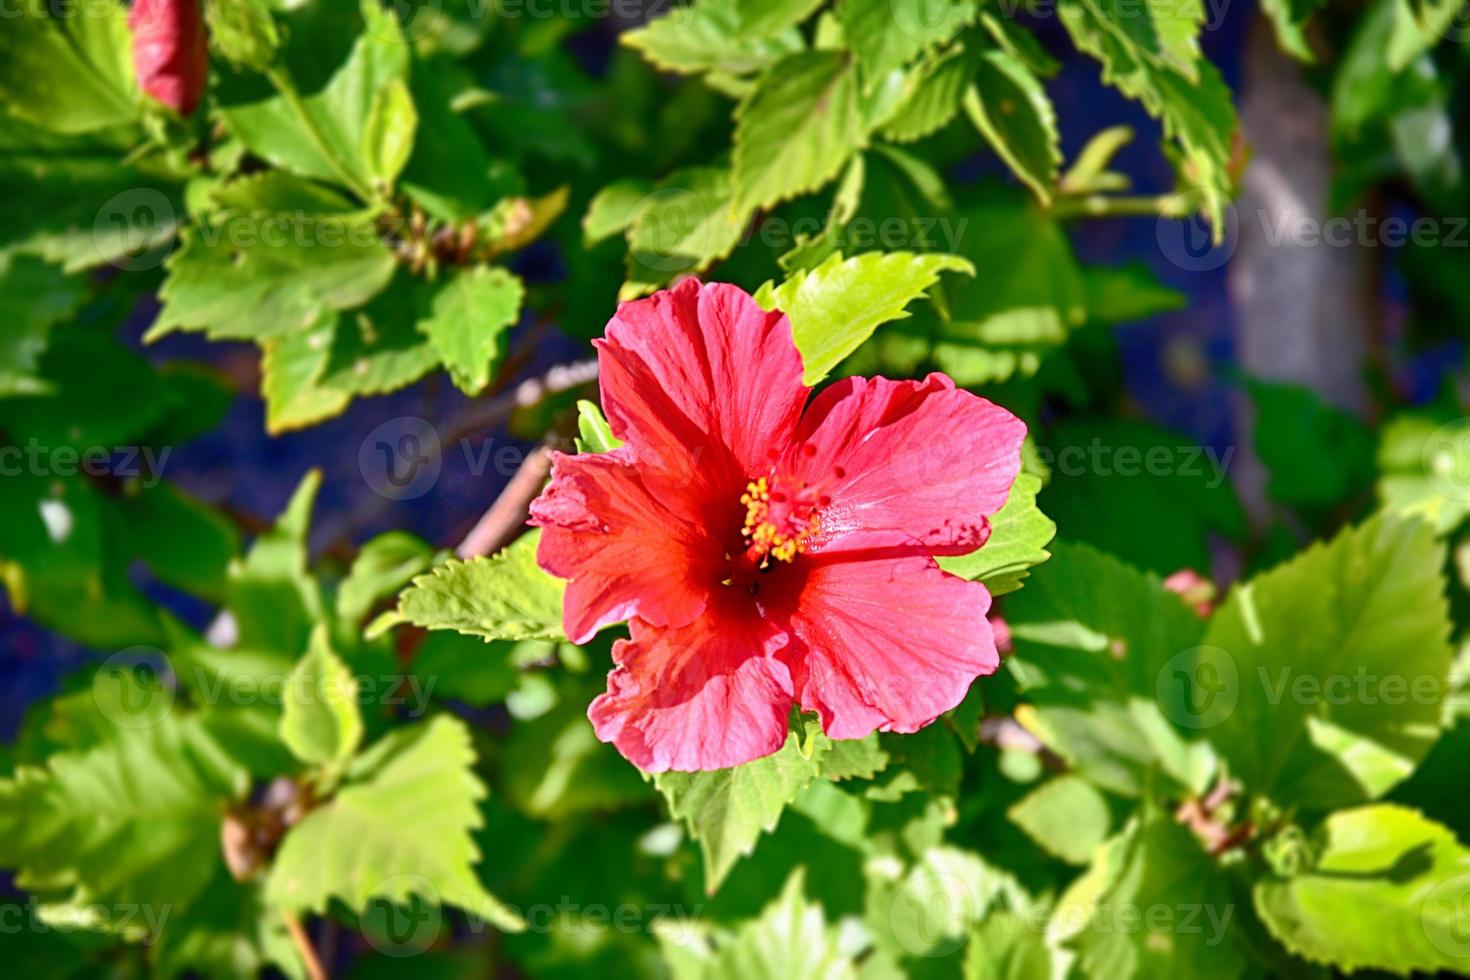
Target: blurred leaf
70 74
886 35
707 36
1317 455
1009 106
1066 816
1386 891
320 722
1363 613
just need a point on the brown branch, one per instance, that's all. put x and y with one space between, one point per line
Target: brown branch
314 968
508 513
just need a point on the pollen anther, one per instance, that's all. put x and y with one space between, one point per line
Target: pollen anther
778 523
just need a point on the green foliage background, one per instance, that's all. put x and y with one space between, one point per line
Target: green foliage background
1264 779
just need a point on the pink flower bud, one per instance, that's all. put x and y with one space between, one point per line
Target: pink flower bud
169 51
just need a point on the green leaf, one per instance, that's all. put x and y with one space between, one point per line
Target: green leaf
263 286
612 209
836 306
1195 108
594 435
469 319
131 822
1164 910
387 138
853 758
796 129
504 597
320 721
1066 816
400 826
886 35
1337 663
274 599
1009 106
766 17
1096 641
1019 533
291 369
243 32
1007 947
1387 891
338 134
68 73
935 90
383 565
681 228
790 939
726 810
34 296
1423 466
706 36
184 543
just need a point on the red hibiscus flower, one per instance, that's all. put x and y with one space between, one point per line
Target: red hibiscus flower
766 551
170 55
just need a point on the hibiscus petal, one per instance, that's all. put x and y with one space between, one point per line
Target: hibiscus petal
702 371
889 644
915 466
707 696
621 545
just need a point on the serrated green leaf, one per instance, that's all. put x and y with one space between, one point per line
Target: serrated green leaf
836 306
796 129
612 209
132 822
399 826
886 35
791 938
70 74
1019 533
727 810
937 85
1388 891
504 597
706 36
1010 107
853 758
325 135
320 721
1067 816
265 287
291 369
1355 615
469 318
